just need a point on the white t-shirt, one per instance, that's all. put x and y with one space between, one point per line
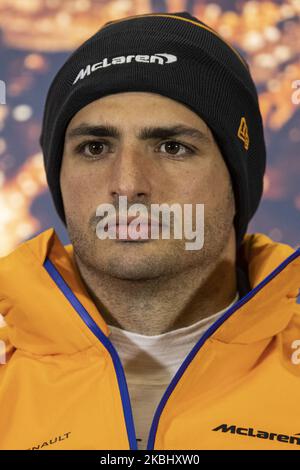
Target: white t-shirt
150 362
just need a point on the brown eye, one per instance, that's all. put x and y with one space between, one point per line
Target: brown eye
94 148
91 149
173 147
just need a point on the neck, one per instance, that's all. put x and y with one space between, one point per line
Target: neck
156 306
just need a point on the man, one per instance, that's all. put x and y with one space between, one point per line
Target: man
139 343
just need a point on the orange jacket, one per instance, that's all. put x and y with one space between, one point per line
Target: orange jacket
62 385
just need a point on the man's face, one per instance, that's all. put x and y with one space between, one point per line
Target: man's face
149 168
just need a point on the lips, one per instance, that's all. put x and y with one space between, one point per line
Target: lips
140 221
143 227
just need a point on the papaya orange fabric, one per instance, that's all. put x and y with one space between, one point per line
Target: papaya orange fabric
62 385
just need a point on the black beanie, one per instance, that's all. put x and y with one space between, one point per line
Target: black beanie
178 56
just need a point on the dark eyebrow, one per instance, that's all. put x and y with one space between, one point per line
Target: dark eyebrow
152 132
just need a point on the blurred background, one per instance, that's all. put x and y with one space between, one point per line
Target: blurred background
37 36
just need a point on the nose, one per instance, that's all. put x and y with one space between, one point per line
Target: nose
130 176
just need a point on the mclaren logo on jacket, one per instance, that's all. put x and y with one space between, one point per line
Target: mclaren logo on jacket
250 432
157 58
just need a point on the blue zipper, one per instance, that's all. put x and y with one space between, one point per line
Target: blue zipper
92 325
